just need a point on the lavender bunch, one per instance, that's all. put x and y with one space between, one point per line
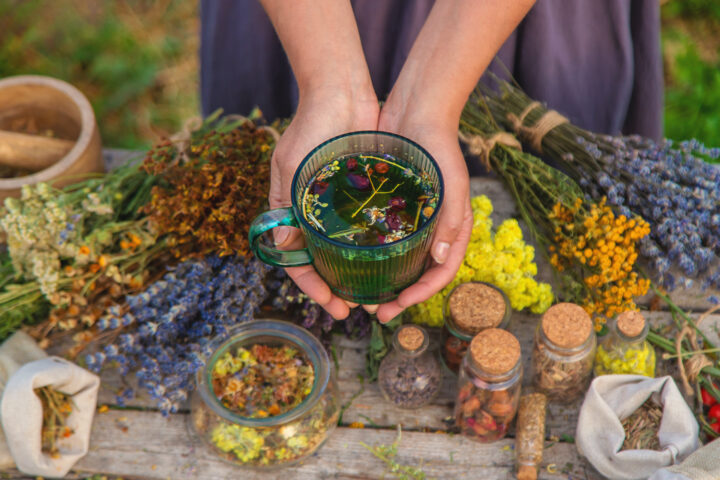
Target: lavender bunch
667 184
287 297
170 327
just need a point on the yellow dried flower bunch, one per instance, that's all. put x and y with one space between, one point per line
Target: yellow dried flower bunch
501 258
604 247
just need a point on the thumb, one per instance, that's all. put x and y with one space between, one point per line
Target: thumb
449 225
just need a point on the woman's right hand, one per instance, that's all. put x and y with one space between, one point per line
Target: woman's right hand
321 114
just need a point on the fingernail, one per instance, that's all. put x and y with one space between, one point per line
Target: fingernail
440 252
371 308
280 235
351 304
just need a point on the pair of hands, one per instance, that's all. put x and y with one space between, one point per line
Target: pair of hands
323 116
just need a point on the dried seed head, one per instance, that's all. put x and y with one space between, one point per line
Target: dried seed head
495 351
631 323
567 325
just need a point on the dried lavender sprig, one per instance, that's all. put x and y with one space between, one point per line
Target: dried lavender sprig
669 185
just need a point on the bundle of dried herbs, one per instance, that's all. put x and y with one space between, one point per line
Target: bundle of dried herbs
641 427
56 407
209 193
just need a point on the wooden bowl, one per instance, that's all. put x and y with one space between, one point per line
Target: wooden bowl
50 106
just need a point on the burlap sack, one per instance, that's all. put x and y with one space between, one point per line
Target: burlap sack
703 464
21 413
600 434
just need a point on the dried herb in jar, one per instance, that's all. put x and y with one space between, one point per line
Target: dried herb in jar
642 426
563 352
469 309
530 435
410 376
489 385
626 350
262 381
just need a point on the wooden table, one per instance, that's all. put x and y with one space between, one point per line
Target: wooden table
138 442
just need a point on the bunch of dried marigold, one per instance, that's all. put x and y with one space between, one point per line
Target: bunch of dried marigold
208 195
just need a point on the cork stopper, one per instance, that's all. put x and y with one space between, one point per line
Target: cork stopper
566 325
495 351
527 472
631 323
411 337
476 306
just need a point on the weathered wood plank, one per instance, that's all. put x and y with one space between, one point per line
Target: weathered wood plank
148 445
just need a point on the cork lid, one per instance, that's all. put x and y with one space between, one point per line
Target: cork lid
631 323
495 351
476 306
411 337
566 325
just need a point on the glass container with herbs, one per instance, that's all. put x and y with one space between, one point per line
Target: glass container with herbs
469 309
489 385
563 352
410 375
267 397
530 435
626 349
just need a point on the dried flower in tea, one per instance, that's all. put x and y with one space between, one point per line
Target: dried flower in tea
368 199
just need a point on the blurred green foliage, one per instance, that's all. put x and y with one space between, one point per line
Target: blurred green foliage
691 50
136 61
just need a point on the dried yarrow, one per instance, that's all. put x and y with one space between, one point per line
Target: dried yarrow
208 196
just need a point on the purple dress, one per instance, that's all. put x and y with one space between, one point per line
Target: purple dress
598 62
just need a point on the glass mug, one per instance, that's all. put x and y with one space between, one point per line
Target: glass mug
362 274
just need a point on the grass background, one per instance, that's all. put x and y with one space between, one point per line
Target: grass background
136 60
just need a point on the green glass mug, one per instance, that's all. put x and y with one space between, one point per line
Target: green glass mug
362 274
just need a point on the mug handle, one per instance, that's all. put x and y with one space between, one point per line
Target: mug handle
279 258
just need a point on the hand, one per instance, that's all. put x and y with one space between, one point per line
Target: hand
452 231
318 118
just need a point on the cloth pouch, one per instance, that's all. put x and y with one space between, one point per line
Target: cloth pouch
22 415
600 435
703 464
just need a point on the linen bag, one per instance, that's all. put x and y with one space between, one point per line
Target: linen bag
600 434
21 410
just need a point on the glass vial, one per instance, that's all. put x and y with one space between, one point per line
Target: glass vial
530 435
469 309
410 375
563 352
489 385
625 349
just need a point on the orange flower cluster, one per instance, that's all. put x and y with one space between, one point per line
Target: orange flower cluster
207 198
603 248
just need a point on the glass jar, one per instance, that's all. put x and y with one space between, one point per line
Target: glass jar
273 441
468 309
563 352
625 349
410 375
489 385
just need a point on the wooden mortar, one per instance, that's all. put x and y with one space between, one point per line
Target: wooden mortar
52 105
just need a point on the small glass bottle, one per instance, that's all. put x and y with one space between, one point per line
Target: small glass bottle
489 385
410 376
469 309
563 352
530 435
625 349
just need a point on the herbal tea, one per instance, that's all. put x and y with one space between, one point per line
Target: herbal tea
369 199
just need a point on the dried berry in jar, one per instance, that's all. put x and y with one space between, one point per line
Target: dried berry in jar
410 376
469 309
489 385
626 349
530 435
563 352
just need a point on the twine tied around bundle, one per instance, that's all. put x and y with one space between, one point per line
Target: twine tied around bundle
534 134
481 146
182 138
690 369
